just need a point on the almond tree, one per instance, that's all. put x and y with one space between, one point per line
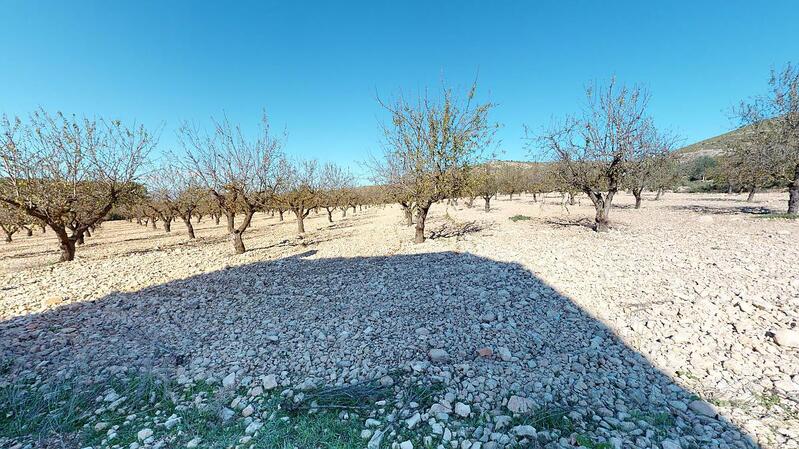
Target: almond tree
69 172
12 220
593 148
174 193
430 145
335 185
302 190
240 173
778 113
485 183
650 156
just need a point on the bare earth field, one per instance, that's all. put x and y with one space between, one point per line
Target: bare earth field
677 329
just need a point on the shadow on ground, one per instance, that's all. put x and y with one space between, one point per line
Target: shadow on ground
727 210
342 320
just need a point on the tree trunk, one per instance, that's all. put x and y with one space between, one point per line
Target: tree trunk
329 214
421 216
511 196
189 227
637 195
660 193
29 232
535 197
238 243
168 225
281 215
80 240
216 219
67 249
729 189
572 200
300 221
343 211
408 215
751 196
153 223
602 205
793 192
487 203
88 233
8 236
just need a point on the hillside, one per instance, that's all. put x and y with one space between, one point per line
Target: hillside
713 146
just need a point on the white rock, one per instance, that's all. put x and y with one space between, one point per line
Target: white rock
438 355
406 445
462 410
413 420
269 382
787 338
374 442
525 431
253 427
144 434
517 404
703 408
229 380
194 442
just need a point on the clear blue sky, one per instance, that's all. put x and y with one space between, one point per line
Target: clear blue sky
316 67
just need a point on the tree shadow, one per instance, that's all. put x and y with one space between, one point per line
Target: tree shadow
343 320
456 230
571 222
729 210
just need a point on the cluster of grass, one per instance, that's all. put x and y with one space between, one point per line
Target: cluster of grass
516 218
66 413
546 418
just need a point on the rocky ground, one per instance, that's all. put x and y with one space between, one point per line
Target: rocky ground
516 328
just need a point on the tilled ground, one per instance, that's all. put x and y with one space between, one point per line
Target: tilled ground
674 330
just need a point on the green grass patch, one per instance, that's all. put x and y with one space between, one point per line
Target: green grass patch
516 218
546 418
585 441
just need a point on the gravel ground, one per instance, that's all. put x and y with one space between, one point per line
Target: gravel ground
677 329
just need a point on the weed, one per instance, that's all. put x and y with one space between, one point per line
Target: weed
516 218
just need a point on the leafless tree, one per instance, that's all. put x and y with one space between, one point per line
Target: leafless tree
484 182
302 190
174 193
336 185
70 172
776 115
240 173
594 148
649 157
429 146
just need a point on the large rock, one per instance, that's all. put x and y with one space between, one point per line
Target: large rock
438 355
787 338
518 404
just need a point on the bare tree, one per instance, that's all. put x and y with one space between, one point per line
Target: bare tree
70 172
776 115
336 184
12 220
240 173
430 145
594 148
650 156
485 183
174 193
302 190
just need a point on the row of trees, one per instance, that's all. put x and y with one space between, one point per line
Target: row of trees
767 152
434 149
68 174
